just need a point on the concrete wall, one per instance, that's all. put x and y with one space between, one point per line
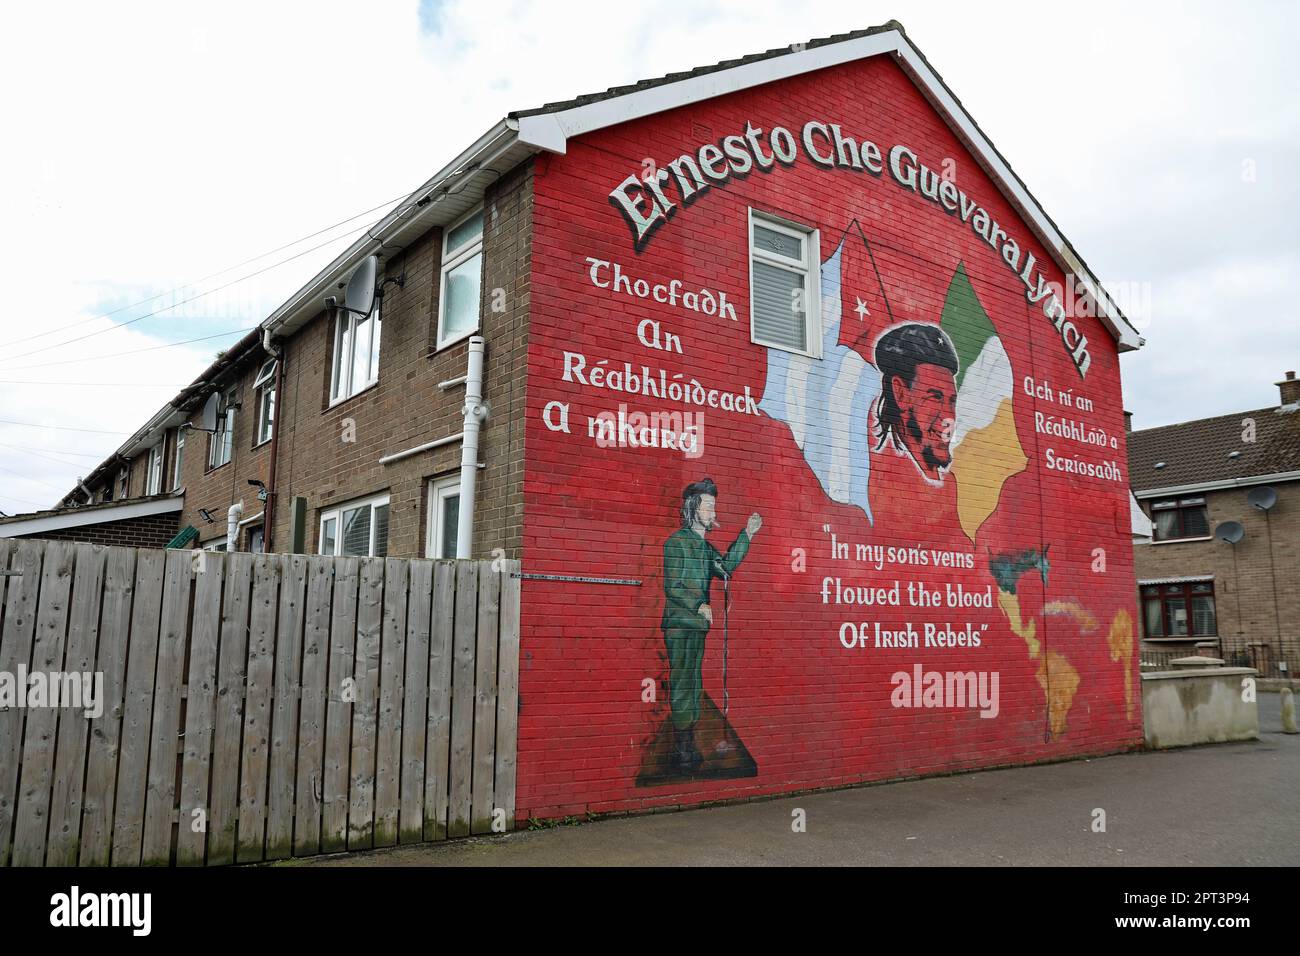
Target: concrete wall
1205 706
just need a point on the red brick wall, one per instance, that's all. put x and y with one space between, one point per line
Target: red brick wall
150 531
807 710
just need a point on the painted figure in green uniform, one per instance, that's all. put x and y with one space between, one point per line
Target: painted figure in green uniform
690 565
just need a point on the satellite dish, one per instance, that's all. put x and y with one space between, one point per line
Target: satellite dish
360 294
1262 498
209 420
1230 531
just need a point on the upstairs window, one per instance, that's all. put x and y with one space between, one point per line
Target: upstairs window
153 481
180 459
783 271
356 353
462 279
358 528
123 482
221 442
264 388
1177 519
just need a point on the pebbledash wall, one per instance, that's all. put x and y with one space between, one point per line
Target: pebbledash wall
1002 553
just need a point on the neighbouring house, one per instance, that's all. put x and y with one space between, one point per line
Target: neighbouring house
802 415
1218 574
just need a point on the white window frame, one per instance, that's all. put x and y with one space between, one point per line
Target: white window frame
342 387
810 270
153 477
178 458
462 255
223 439
336 512
264 389
216 544
439 490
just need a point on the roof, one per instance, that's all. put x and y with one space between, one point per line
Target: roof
460 184
616 91
173 413
40 522
1196 454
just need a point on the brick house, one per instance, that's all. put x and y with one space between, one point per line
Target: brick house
1198 590
797 300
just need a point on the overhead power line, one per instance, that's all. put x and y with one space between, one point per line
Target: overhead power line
210 275
174 305
151 348
62 428
53 456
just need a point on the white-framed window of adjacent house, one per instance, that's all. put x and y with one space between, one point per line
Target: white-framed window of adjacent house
221 442
356 527
153 481
784 285
356 352
216 544
264 389
179 459
462 279
444 517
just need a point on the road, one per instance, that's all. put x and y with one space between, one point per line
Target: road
1226 804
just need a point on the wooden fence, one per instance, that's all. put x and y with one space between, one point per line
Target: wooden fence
255 707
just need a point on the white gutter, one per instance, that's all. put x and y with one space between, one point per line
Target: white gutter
475 412
1225 483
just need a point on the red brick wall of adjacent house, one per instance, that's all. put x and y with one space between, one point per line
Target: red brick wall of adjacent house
149 531
812 697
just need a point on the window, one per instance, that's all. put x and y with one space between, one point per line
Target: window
360 527
153 482
216 544
180 458
444 517
264 386
1177 519
123 482
221 441
783 279
462 279
1184 609
356 353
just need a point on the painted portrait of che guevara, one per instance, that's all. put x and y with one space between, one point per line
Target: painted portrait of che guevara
917 409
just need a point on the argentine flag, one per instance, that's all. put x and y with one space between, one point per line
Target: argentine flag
826 402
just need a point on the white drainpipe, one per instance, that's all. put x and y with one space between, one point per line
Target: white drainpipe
474 412
232 524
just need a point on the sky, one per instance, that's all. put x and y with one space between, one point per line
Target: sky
173 172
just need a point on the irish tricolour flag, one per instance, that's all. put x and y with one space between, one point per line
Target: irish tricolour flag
985 448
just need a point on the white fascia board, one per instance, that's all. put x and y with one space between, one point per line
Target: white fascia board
1225 484
78 518
550 132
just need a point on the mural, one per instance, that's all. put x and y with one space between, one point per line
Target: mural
905 552
691 565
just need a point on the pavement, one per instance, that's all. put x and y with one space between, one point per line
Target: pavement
1217 805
